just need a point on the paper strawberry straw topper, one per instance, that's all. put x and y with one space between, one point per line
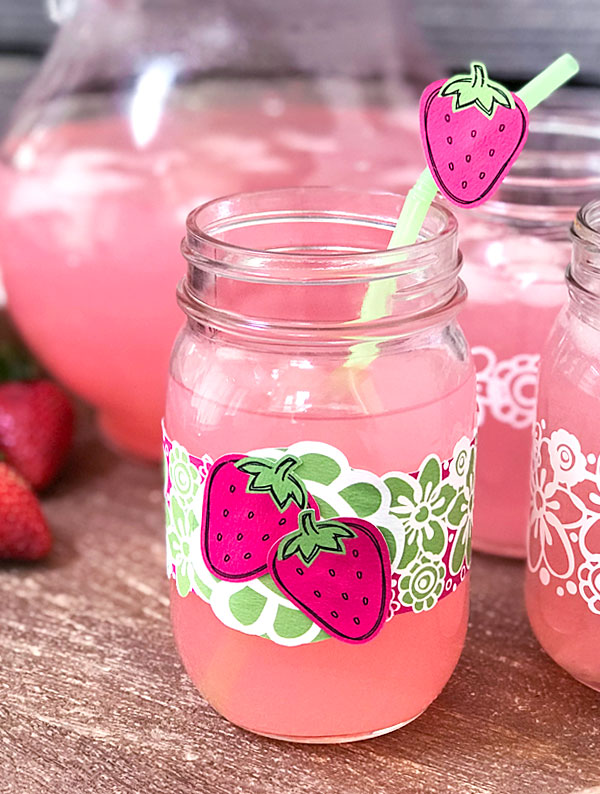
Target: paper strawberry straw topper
473 129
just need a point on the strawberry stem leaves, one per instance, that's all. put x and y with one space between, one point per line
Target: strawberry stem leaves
312 537
477 90
275 478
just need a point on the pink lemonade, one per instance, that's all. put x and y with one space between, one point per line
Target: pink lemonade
91 215
257 385
516 288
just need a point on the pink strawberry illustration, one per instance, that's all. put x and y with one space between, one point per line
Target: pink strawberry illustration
473 130
337 572
249 504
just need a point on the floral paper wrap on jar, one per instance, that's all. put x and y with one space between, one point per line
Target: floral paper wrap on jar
563 550
516 250
318 515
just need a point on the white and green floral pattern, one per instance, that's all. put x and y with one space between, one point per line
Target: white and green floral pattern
411 511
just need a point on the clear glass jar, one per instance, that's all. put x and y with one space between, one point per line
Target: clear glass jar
563 550
272 296
516 249
144 109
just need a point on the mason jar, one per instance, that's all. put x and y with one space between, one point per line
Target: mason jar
563 554
319 467
516 249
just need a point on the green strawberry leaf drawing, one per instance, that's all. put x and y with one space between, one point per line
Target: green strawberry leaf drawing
318 468
290 623
246 605
477 90
278 479
363 498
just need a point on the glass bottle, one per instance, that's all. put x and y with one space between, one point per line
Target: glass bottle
145 108
516 248
259 372
563 551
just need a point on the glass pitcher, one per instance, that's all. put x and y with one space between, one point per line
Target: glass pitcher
146 108
344 563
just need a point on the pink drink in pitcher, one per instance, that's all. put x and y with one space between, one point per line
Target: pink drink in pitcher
563 556
250 373
91 215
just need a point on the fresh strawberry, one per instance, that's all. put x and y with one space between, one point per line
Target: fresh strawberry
24 534
36 429
249 504
472 129
337 572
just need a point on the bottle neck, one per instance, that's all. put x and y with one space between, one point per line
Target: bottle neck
583 273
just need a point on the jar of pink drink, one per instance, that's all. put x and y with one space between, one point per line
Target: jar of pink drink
516 249
563 550
319 515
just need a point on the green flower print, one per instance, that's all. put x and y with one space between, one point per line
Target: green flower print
421 505
185 479
422 583
461 517
181 524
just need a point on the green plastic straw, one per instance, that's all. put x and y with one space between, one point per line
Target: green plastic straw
420 197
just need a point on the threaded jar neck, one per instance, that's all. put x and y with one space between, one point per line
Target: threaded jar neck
298 263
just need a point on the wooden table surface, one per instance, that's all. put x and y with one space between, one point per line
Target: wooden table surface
93 697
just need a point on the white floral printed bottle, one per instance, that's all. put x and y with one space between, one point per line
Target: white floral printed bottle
515 252
563 549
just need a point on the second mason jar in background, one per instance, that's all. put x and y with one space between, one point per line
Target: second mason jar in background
516 249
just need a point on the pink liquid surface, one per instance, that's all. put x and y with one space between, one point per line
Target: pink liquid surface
339 690
516 288
91 221
569 398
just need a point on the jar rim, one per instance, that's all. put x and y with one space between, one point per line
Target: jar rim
586 226
203 247
549 192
